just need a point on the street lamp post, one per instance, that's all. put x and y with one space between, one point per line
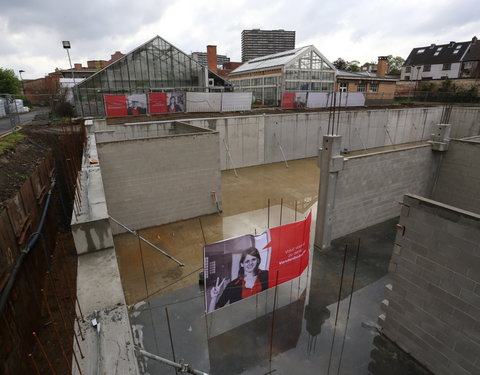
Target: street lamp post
21 80
66 45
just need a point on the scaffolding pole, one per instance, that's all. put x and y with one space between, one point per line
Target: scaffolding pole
281 149
181 367
148 242
230 157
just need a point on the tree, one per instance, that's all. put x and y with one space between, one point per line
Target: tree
340 64
394 64
9 83
353 66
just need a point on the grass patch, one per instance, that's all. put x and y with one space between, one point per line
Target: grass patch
9 142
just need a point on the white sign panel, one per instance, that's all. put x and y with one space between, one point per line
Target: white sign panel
236 101
204 101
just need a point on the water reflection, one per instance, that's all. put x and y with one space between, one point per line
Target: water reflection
239 339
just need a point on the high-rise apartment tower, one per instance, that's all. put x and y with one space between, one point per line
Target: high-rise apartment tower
257 43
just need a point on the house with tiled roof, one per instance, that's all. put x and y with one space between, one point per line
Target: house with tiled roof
445 61
378 87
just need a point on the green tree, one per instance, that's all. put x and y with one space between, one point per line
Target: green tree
340 64
353 66
394 64
9 83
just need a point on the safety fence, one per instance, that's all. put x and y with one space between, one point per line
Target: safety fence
38 265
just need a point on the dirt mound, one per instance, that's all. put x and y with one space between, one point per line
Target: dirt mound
18 163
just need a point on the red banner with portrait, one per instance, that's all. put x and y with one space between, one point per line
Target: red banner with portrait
243 266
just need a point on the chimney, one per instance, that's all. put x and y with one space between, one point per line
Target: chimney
382 66
212 58
452 43
474 40
77 66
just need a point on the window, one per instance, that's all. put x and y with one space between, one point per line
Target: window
374 87
426 68
407 78
361 87
343 86
447 66
408 69
422 50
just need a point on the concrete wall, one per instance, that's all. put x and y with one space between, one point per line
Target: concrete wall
90 224
458 183
153 181
255 140
433 308
465 122
369 187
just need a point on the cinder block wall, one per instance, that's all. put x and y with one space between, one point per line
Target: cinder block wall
369 187
154 181
433 307
459 176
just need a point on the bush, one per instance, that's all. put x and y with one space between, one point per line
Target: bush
64 109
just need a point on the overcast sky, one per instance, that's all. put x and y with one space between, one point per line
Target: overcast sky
31 31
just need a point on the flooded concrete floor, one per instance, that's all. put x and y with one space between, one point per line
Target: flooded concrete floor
310 334
260 197
146 272
300 337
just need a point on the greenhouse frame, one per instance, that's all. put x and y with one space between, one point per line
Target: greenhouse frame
154 67
268 77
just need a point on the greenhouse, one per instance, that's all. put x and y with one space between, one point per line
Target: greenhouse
268 77
154 67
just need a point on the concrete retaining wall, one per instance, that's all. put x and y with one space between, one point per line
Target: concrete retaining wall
256 139
369 187
459 177
465 122
160 180
433 307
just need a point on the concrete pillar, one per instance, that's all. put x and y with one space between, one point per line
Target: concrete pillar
330 163
441 138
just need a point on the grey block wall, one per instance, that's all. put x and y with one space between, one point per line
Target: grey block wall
458 181
155 181
432 309
369 187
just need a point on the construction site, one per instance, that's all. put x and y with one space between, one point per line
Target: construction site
393 280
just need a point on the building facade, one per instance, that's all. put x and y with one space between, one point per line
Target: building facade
201 57
257 43
446 61
378 87
268 77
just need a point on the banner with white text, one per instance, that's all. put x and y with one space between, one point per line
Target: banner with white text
243 266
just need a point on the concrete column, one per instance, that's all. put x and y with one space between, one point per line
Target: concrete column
441 138
330 163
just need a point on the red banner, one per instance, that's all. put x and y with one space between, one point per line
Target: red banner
157 103
288 98
241 267
115 105
290 251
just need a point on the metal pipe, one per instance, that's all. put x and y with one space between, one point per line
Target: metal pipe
230 157
11 281
281 149
42 349
349 306
147 242
183 367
